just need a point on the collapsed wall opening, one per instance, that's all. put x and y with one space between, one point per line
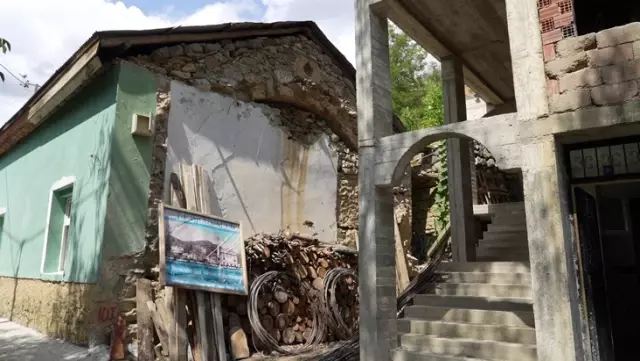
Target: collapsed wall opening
597 15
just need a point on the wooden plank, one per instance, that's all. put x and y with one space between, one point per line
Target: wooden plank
237 338
145 322
160 324
178 334
402 269
196 350
218 326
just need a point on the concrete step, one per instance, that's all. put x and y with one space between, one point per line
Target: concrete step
482 317
490 350
480 290
480 277
506 252
507 242
499 333
406 355
506 228
504 258
517 235
475 303
485 267
515 219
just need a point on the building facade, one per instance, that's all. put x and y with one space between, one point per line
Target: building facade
560 78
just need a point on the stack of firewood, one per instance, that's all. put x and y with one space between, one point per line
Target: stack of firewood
286 309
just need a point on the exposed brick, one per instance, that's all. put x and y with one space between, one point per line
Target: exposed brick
612 55
614 94
549 12
578 44
632 70
552 37
563 19
561 66
570 100
613 74
618 35
583 78
549 52
553 87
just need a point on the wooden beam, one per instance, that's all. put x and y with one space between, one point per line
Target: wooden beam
144 320
419 32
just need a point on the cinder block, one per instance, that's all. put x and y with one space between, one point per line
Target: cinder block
580 79
636 49
618 35
632 70
613 55
561 66
613 74
570 46
614 93
570 100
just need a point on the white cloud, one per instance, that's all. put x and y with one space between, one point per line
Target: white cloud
45 33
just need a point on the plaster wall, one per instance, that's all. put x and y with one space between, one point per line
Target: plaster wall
258 176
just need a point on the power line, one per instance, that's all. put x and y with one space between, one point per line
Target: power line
22 82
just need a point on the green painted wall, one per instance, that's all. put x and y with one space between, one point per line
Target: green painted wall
130 165
76 141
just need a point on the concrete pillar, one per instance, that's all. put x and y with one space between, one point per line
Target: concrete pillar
549 233
458 158
378 324
529 80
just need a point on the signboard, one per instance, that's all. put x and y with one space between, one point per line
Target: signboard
201 252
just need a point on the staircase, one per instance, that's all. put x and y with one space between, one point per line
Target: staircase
479 311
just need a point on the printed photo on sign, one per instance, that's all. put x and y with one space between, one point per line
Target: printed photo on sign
202 252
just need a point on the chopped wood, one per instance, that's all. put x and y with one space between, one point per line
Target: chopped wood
318 283
321 272
282 321
288 336
274 308
280 295
238 338
289 308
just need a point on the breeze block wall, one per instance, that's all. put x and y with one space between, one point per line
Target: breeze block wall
596 69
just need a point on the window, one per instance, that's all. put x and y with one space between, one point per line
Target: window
58 234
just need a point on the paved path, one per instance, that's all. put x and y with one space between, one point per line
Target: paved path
19 343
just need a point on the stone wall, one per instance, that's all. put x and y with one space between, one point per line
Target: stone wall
348 206
595 69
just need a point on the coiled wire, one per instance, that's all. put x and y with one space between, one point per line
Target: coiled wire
335 321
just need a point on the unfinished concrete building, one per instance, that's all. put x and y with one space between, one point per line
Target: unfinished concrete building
554 278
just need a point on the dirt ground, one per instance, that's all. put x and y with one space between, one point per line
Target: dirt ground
18 343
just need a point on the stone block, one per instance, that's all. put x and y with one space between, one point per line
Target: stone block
571 46
615 93
613 74
583 78
618 35
632 70
636 49
549 52
348 202
570 100
612 55
570 64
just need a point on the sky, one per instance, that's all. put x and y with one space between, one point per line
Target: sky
45 33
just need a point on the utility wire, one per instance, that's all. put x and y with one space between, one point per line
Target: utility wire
22 82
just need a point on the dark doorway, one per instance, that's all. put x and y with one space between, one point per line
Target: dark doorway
609 228
597 15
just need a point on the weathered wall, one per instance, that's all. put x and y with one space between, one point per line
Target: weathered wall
595 69
259 176
76 142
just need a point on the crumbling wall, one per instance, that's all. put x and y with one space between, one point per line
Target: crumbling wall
596 69
348 202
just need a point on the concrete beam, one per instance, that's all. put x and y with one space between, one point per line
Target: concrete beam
458 163
547 232
499 134
378 324
399 15
529 80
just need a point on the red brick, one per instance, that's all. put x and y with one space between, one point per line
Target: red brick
549 12
549 52
563 19
553 87
552 37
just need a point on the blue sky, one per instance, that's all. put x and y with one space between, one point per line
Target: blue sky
44 33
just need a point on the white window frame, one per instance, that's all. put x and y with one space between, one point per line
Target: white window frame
64 182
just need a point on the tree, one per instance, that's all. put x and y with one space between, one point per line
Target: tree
4 47
416 84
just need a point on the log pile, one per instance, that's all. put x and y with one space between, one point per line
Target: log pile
285 309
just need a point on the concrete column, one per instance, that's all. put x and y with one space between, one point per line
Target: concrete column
378 324
549 234
527 62
458 158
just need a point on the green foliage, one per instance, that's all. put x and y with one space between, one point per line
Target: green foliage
4 47
417 101
416 84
